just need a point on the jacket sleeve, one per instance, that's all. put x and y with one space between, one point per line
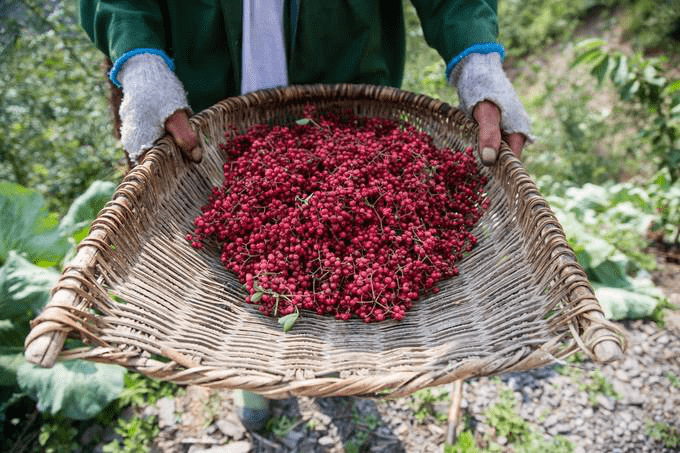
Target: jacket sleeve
452 26
119 26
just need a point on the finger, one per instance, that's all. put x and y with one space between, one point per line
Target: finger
516 142
488 116
179 127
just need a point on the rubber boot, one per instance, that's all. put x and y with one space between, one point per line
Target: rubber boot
252 409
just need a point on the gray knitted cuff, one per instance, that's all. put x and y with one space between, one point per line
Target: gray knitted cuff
151 93
480 77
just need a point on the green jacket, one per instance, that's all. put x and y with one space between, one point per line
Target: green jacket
327 41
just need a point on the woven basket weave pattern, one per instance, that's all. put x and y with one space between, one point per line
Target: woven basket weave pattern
140 296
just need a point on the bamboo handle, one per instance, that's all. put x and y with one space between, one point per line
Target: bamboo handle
45 341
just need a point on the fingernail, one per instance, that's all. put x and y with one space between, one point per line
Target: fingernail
488 156
196 154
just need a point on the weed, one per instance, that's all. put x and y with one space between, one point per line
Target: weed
598 385
355 443
465 443
658 316
141 390
505 419
312 424
368 421
424 402
137 435
524 438
280 426
673 379
212 407
364 425
58 436
663 432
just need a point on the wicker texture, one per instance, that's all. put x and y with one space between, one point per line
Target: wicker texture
520 301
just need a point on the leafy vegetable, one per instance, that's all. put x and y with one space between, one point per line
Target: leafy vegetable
78 388
33 243
26 226
86 207
23 286
606 227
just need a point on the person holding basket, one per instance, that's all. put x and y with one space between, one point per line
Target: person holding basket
172 58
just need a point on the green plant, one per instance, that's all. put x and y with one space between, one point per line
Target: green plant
665 199
598 385
312 424
141 390
667 434
503 416
364 424
465 443
57 132
653 24
652 96
658 316
33 245
58 435
673 379
526 26
137 435
606 227
524 438
279 426
424 401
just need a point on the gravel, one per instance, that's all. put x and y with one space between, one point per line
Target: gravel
606 408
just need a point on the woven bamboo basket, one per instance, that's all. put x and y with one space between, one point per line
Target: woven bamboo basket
139 296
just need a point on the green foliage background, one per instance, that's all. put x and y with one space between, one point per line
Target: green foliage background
56 131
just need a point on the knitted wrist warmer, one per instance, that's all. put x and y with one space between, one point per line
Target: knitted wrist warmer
151 93
480 77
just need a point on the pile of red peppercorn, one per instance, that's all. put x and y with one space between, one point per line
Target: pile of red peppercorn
342 215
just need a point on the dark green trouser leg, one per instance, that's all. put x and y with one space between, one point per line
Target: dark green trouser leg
252 409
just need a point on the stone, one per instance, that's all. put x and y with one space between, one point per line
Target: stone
166 412
551 420
401 430
232 430
324 419
292 438
436 430
634 399
562 428
326 441
241 446
674 299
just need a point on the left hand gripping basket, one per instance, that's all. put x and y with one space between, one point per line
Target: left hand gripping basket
139 296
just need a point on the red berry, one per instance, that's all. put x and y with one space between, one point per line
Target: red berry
343 215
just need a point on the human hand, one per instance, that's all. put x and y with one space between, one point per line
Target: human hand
487 96
488 116
154 103
179 127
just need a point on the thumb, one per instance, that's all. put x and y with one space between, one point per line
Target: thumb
179 127
488 116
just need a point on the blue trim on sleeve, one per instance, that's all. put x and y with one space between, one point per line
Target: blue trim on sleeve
484 48
113 75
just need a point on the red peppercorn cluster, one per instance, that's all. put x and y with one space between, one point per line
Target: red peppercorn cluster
342 215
